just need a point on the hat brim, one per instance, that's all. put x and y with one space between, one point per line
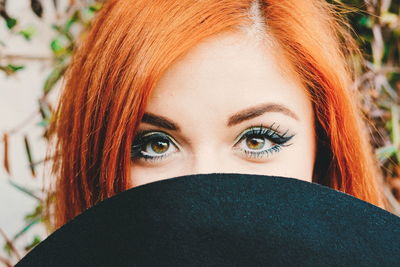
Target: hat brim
225 220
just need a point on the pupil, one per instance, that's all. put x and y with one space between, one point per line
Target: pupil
160 146
255 142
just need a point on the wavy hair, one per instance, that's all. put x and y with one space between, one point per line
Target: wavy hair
132 43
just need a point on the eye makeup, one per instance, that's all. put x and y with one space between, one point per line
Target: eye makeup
153 146
255 142
258 141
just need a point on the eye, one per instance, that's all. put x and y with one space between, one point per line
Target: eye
259 142
152 146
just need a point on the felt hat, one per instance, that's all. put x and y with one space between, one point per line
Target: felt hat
225 220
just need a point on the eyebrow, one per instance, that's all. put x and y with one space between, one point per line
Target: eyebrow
259 110
160 121
236 118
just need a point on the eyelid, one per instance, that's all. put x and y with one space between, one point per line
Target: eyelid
143 137
276 139
146 133
267 130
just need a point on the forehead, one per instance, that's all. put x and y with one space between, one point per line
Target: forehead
224 74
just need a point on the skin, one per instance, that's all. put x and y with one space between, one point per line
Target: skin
222 77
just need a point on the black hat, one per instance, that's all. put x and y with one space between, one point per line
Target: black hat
225 220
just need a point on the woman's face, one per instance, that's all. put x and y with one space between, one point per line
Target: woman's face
225 108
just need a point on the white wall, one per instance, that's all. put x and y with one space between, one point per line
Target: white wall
18 101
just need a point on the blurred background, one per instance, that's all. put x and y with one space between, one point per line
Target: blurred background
37 39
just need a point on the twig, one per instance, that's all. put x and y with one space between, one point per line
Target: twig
10 57
23 123
40 161
6 262
25 190
9 243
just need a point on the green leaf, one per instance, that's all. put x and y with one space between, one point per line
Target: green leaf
37 213
395 133
365 22
36 240
24 190
56 46
11 22
384 153
96 7
7 248
14 68
28 32
44 123
26 228
29 155
71 21
389 18
53 78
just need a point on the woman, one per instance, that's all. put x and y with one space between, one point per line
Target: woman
160 89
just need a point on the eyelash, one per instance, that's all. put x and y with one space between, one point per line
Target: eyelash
270 134
144 138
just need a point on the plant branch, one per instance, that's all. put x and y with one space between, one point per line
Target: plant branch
10 57
6 262
10 244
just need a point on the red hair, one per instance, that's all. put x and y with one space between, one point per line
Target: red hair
132 43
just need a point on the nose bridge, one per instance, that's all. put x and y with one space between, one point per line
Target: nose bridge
207 160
